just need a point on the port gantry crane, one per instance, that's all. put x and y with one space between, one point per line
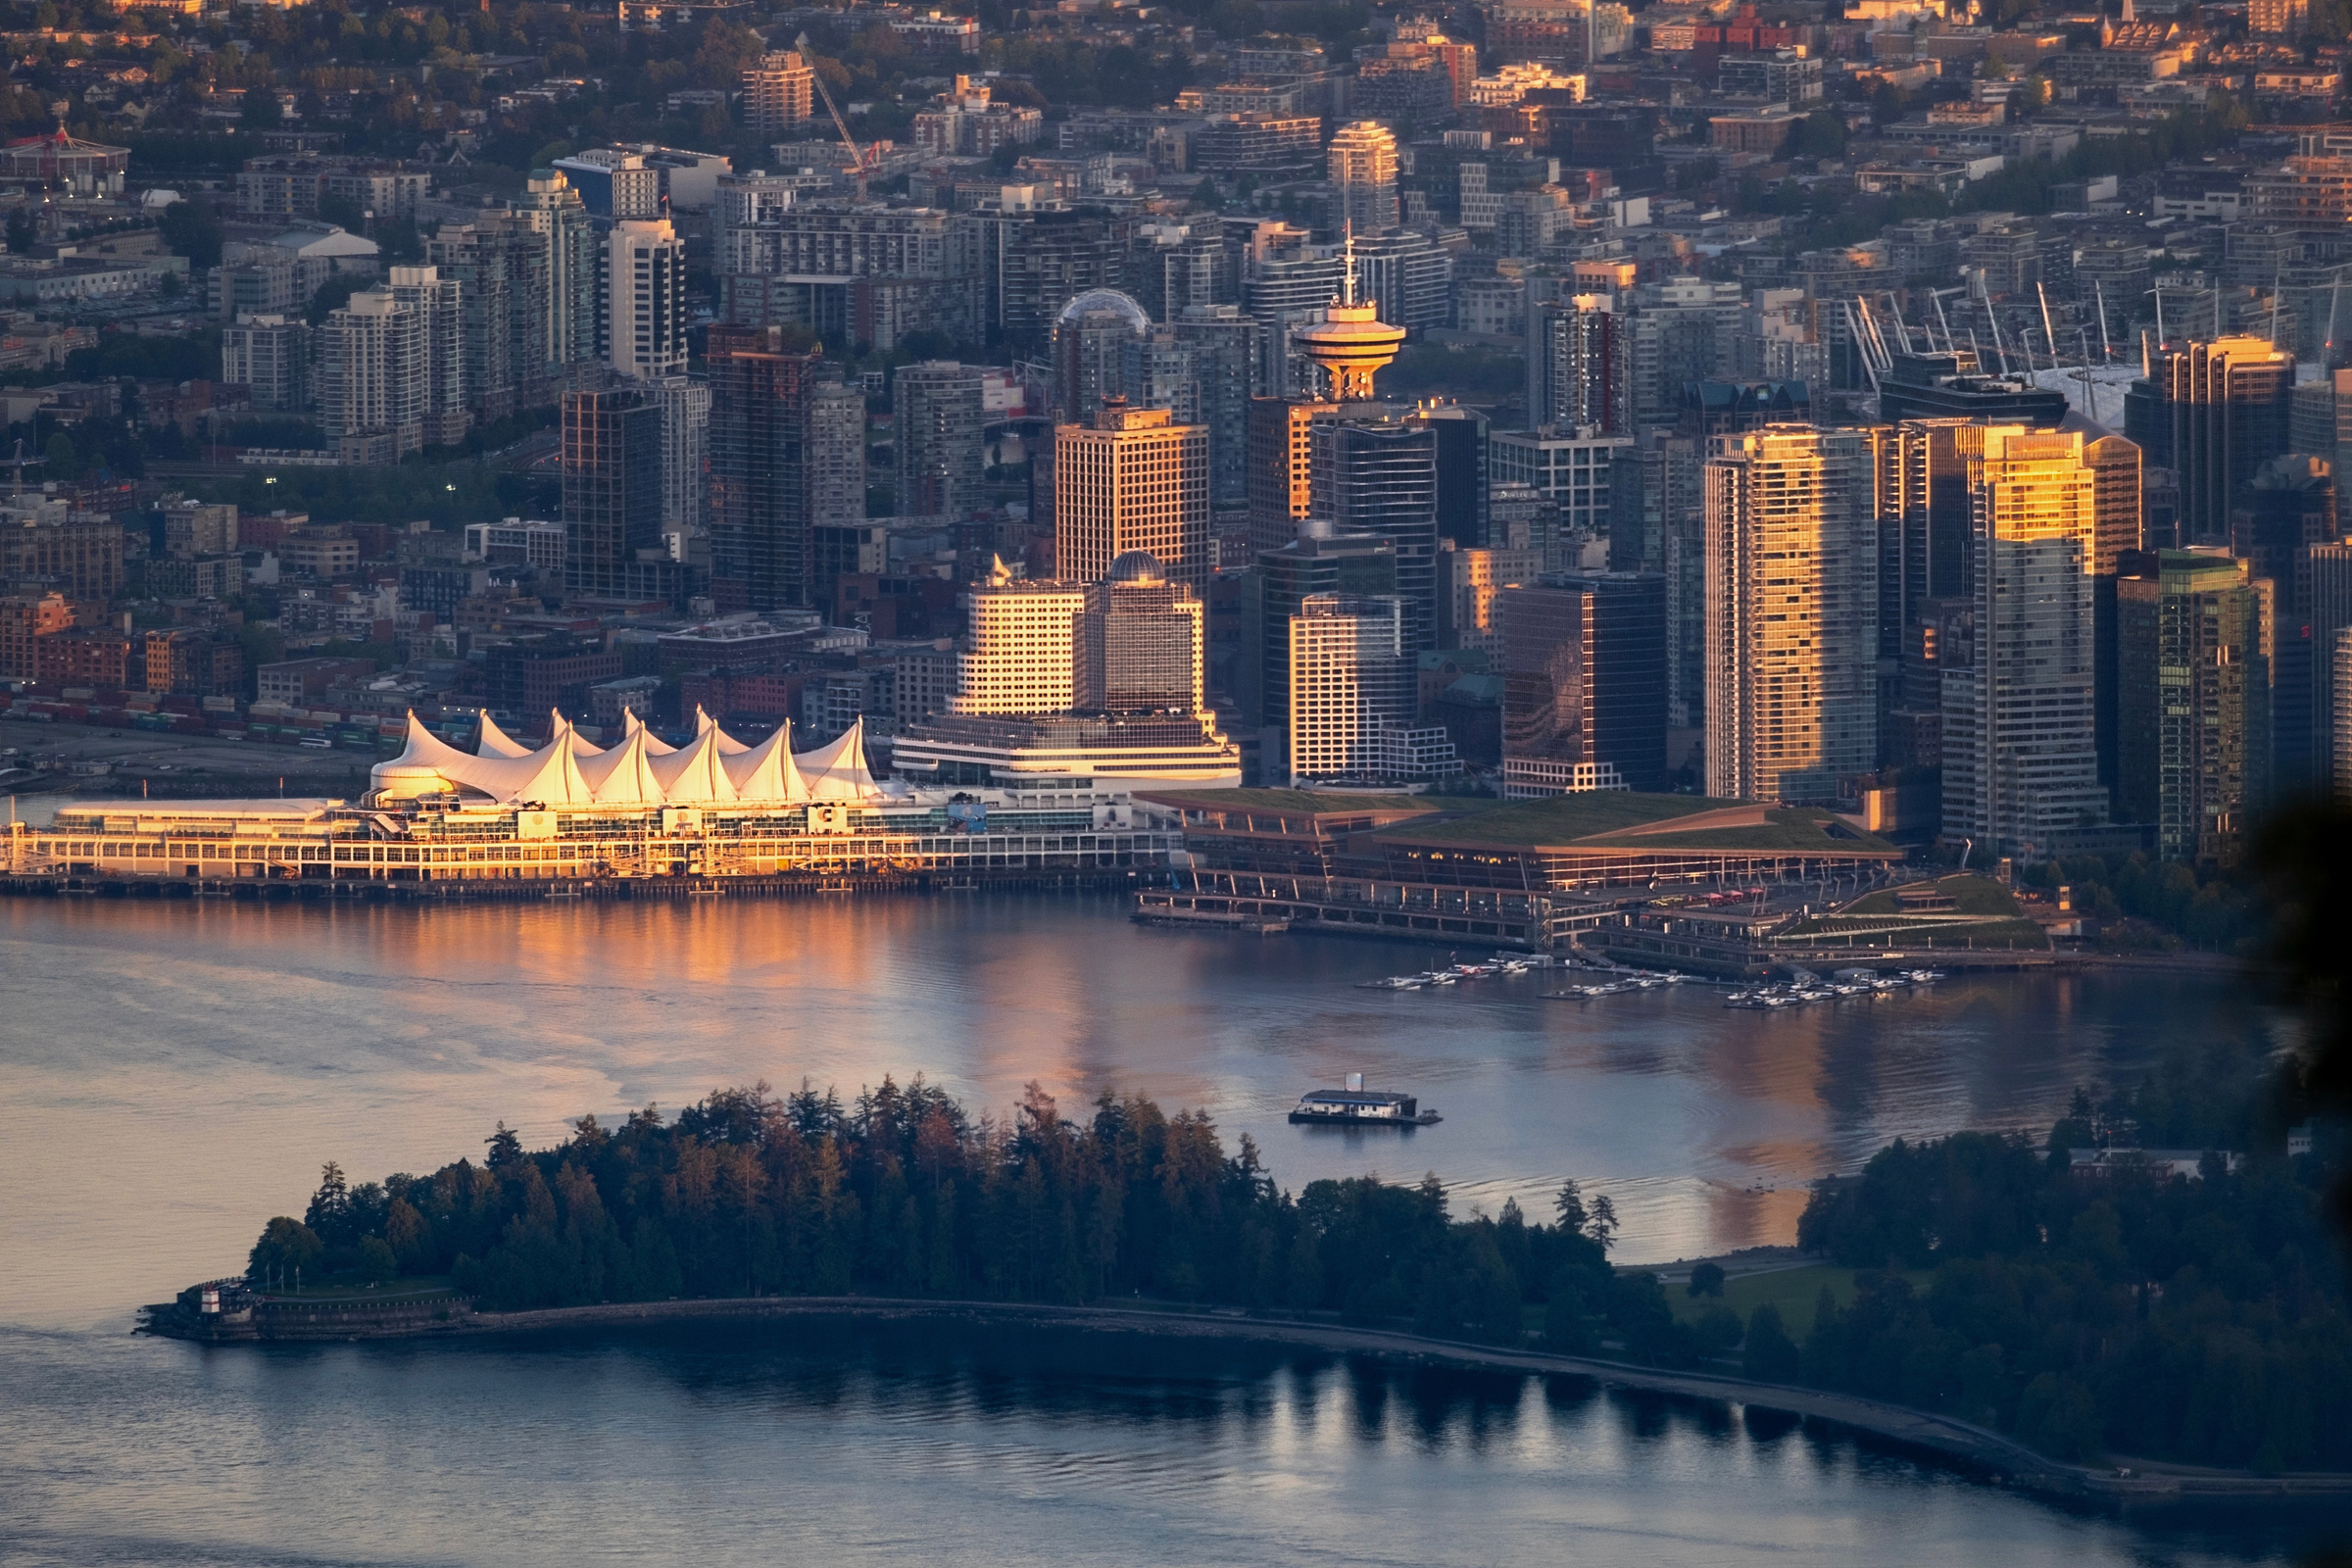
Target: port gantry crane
864 160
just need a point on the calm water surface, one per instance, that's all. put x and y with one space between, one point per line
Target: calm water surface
171 1074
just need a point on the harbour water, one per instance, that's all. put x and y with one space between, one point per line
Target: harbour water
173 1073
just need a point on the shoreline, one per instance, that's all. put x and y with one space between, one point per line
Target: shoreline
2004 1460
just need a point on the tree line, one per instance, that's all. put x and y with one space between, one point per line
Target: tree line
902 1193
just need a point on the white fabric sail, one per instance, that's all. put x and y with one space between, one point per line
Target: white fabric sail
727 743
631 724
554 779
768 771
623 775
496 742
696 776
837 771
582 745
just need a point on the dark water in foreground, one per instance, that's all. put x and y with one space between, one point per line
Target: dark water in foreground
827 1444
173 1074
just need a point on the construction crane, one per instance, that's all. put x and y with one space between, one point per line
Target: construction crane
864 160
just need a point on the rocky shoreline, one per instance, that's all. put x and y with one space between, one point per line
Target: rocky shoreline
2003 1461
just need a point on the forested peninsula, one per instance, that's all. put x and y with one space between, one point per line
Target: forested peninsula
2199 1321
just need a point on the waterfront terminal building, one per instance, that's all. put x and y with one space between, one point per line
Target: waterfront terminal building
572 812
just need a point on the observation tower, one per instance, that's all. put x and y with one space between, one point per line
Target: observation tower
1350 344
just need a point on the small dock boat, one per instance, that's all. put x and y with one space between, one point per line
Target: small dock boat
1358 1106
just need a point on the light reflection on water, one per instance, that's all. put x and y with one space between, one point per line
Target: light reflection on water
827 1443
211 1054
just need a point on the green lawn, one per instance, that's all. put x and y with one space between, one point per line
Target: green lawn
1970 895
1793 1290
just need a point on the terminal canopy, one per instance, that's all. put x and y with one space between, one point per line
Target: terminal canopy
570 770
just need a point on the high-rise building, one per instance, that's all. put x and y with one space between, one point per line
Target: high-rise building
2019 737
1351 696
271 354
575 267
2277 18
439 307
1094 337
1223 344
1579 374
1463 490
1373 474
760 394
779 95
1360 566
836 455
1145 639
2214 412
1172 268
500 269
2289 509
1793 605
685 405
2328 615
1131 479
374 377
2196 710
1406 275
1363 177
611 455
1281 467
1024 649
1576 471
615 183
1470 580
2339 717
646 299
939 414
1584 704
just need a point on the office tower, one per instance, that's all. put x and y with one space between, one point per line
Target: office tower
1673 505
1469 581
2213 413
1024 649
2328 615
501 269
779 95
2289 508
271 356
1357 568
760 395
2320 418
549 208
1223 343
2196 710
1380 476
1351 684
685 405
836 455
2339 713
1092 339
1145 639
1281 467
1793 603
1519 516
646 300
1462 489
1172 268
440 312
1575 473
374 377
1407 277
1578 373
2019 735
1583 697
611 455
1131 479
1363 177
939 418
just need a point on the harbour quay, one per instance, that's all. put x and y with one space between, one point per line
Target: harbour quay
567 817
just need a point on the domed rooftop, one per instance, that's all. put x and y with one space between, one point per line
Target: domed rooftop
1139 567
1100 301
